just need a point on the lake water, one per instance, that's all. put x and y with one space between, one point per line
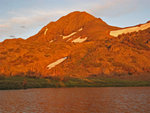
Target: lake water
76 100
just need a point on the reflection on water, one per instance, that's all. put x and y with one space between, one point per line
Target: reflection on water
77 100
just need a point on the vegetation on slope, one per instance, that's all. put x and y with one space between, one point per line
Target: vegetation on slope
18 82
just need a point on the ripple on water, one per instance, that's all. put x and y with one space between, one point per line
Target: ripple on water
77 100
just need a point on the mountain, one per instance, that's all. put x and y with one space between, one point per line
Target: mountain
78 45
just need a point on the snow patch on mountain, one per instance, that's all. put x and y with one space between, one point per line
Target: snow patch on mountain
129 30
50 66
69 39
80 29
64 37
45 31
79 40
67 36
51 41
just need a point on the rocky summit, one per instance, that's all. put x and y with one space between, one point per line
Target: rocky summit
78 45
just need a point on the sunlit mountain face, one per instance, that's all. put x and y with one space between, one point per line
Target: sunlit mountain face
78 45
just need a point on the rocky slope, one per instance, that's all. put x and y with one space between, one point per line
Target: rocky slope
79 45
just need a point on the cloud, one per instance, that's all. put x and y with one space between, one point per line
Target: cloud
111 8
12 36
29 20
4 25
33 16
22 26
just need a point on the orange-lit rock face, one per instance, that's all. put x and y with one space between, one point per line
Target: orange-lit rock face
76 45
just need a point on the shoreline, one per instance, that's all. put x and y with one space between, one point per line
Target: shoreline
18 82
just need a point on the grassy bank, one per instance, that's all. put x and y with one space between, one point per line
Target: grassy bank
17 82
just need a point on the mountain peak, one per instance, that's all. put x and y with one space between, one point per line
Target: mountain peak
70 23
76 18
80 13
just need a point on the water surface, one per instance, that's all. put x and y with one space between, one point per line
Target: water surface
76 100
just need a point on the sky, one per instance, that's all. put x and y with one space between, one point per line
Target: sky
24 18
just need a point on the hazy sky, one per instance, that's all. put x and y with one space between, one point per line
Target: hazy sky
24 18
